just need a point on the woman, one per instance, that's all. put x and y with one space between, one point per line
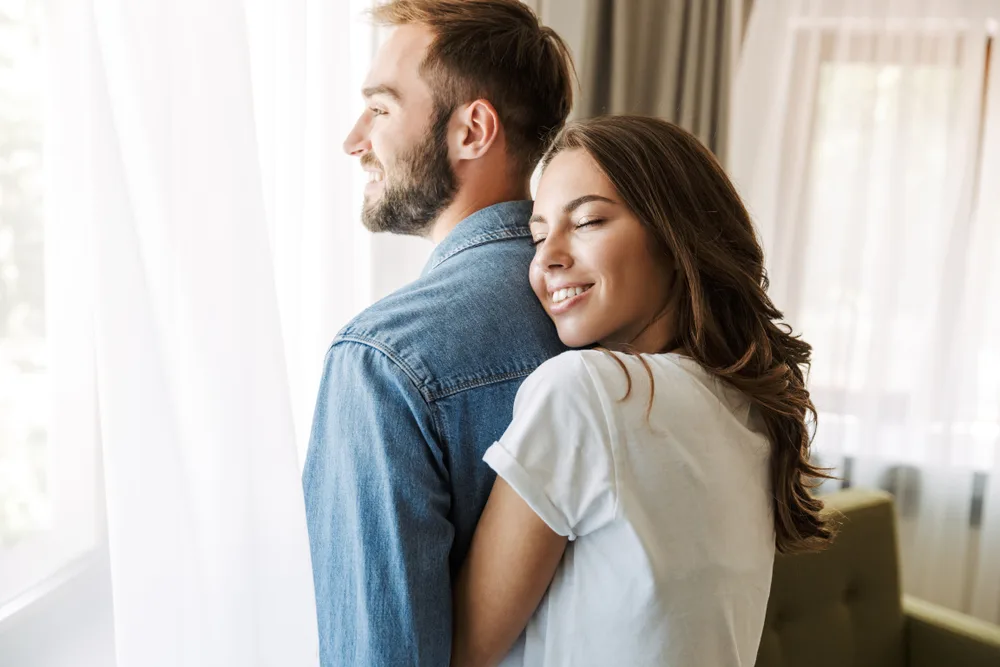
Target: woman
647 503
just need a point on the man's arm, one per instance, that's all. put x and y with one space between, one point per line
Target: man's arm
377 502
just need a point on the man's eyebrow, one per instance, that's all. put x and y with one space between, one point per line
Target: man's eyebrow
382 89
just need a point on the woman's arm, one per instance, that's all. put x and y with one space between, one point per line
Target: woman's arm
511 562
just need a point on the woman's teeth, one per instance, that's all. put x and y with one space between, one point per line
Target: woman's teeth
568 293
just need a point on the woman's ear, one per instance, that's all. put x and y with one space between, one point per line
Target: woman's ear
479 126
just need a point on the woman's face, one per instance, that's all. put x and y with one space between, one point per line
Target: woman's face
594 270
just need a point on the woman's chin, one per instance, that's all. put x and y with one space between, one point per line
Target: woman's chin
574 339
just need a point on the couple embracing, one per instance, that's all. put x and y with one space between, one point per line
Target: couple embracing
579 437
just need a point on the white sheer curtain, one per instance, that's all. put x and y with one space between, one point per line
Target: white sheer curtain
206 246
865 139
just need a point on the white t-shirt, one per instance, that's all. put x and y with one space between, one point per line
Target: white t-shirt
670 519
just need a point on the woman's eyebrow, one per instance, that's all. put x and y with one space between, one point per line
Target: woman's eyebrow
580 201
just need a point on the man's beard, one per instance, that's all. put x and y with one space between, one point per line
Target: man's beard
424 184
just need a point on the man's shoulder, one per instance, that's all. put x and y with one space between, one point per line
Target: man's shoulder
474 322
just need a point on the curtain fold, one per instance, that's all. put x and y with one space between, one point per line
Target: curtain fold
665 58
206 527
983 295
219 250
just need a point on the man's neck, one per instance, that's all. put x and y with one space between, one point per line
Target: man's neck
466 205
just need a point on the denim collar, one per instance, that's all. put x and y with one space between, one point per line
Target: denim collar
506 220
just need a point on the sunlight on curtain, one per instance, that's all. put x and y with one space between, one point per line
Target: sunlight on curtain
309 59
205 247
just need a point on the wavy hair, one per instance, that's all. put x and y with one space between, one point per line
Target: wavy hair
724 318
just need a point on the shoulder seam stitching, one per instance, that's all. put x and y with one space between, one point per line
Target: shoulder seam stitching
481 382
388 352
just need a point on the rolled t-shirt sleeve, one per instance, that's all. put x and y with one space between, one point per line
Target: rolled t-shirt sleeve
558 452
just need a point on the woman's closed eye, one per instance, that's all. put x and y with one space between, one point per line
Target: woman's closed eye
582 224
589 222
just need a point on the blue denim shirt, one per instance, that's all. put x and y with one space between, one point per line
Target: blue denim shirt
415 390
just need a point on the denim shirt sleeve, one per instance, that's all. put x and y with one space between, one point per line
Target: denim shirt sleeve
377 504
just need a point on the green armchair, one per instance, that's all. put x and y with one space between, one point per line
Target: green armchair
843 607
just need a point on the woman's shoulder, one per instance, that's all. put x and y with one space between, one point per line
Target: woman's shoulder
564 365
576 369
606 378
607 369
565 372
584 378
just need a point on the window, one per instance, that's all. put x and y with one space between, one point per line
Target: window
25 507
890 163
46 479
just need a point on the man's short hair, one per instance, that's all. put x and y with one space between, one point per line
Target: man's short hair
498 51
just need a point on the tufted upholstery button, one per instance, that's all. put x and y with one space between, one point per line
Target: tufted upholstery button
851 592
780 620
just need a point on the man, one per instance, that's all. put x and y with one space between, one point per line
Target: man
461 102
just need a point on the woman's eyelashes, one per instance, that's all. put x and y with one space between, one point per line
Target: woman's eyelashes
589 222
586 222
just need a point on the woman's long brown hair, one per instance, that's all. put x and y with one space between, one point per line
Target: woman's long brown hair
724 318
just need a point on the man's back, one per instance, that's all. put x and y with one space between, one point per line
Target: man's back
415 390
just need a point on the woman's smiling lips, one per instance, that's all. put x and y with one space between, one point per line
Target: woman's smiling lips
564 297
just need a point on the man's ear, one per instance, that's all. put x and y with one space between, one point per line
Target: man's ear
479 126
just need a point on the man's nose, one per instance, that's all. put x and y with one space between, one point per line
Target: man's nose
358 142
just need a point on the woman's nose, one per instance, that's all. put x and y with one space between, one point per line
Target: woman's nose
553 253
